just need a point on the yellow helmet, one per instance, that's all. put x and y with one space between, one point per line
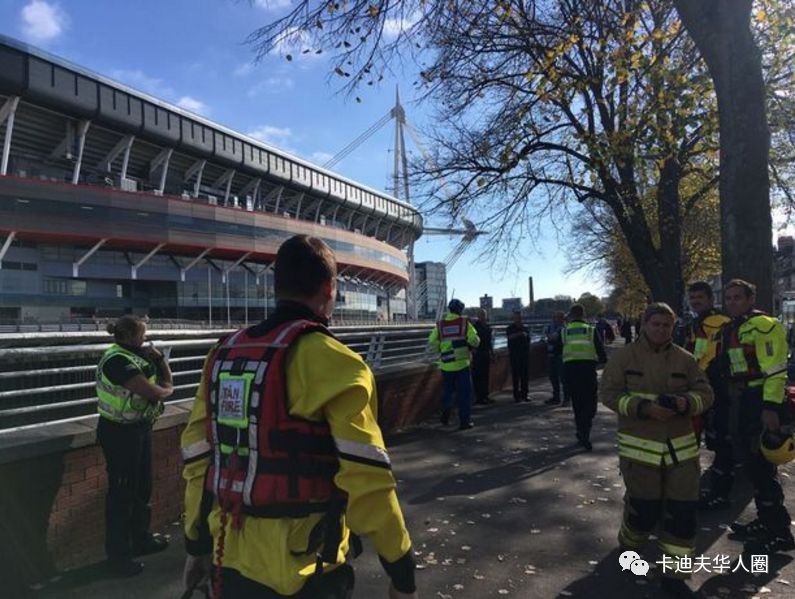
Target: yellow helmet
778 448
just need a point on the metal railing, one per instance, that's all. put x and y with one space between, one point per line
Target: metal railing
40 384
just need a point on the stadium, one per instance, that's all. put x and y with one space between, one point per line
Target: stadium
113 201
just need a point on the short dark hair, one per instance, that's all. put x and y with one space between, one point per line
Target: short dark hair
303 265
700 287
126 327
749 288
658 308
577 311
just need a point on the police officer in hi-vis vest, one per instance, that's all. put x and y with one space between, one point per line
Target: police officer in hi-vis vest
452 338
582 347
132 382
284 458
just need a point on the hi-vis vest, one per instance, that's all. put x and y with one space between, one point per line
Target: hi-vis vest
703 339
741 347
116 402
265 461
578 342
453 347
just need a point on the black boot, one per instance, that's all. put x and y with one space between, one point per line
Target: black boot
445 417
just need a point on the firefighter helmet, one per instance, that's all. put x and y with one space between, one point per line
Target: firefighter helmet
778 447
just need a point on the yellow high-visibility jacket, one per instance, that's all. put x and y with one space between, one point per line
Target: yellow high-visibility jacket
454 352
704 337
325 382
756 346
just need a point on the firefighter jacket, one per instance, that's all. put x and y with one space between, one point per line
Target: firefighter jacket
116 402
452 338
637 374
703 337
326 382
581 343
756 350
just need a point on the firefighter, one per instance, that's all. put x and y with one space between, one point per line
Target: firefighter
702 339
656 388
755 349
283 456
132 382
582 347
452 338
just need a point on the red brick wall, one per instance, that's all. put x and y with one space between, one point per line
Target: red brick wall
53 505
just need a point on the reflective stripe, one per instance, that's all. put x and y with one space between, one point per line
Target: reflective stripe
737 358
645 444
623 405
630 538
775 369
657 453
112 413
237 486
639 455
362 450
253 460
677 550
196 449
696 399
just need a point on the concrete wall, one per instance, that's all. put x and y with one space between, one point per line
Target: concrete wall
54 482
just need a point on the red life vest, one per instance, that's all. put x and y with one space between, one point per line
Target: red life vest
452 329
266 462
732 341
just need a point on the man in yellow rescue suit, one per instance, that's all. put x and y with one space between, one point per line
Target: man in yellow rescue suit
452 338
325 399
702 338
656 388
755 346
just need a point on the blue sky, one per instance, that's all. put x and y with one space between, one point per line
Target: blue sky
193 53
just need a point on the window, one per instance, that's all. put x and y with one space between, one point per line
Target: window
64 287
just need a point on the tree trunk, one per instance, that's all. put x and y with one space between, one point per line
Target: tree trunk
669 225
721 30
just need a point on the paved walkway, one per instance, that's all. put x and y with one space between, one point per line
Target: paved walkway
512 508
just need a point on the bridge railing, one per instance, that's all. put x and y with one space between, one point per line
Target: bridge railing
40 384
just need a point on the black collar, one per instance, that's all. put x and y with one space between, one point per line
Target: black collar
286 311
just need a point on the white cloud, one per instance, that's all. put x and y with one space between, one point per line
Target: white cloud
297 43
141 81
395 26
193 105
275 136
42 21
271 85
243 69
320 158
273 5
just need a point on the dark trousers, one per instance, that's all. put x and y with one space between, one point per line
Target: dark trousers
128 460
337 584
745 426
579 378
556 376
480 376
718 439
458 385
519 368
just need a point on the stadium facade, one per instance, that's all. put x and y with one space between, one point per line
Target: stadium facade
112 201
